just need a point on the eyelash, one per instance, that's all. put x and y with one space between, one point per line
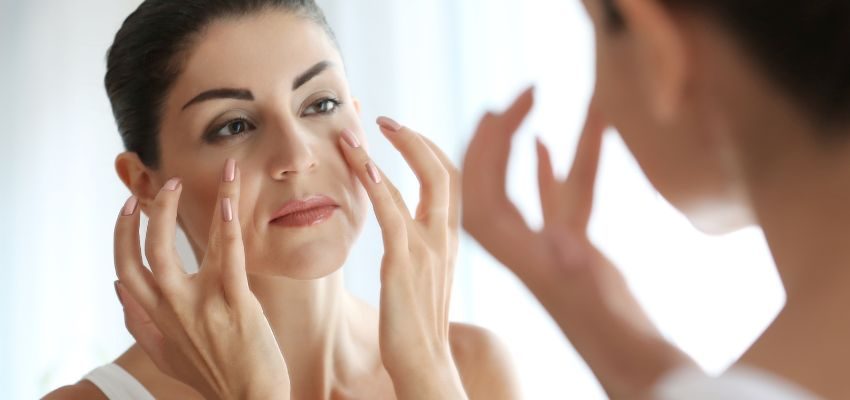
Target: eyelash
213 137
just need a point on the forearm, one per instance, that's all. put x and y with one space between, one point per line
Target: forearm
628 361
603 321
438 379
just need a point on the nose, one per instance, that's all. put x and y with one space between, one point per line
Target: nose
293 156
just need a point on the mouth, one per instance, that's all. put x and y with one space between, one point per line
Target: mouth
309 211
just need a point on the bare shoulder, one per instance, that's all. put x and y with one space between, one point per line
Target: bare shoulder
483 362
83 390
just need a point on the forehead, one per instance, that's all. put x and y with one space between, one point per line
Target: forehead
255 51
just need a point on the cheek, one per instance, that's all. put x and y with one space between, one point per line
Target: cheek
675 158
620 98
197 203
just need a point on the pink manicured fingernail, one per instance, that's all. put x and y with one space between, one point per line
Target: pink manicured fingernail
226 209
389 124
349 138
230 170
172 184
373 172
130 206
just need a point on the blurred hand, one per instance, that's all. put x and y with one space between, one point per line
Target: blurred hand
582 290
418 264
207 329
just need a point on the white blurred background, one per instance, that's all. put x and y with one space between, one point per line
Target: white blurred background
434 65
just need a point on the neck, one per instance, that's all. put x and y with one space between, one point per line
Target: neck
328 338
799 189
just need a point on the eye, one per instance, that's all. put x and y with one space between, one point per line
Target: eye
323 106
230 129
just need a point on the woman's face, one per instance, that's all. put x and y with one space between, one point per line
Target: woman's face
684 153
269 91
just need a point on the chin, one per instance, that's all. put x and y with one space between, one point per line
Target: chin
308 261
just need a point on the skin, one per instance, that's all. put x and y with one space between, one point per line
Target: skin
726 146
284 287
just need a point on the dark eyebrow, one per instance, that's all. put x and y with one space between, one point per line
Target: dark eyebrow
223 93
310 74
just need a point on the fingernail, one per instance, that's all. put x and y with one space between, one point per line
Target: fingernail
230 170
172 184
373 172
226 209
118 293
349 138
130 206
389 124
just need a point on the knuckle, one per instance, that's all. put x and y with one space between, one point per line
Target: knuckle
229 235
441 178
395 194
156 251
229 189
162 200
454 173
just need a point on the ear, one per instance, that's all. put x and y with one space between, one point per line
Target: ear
661 53
137 177
357 106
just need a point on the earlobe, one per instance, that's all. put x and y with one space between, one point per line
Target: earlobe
136 176
662 54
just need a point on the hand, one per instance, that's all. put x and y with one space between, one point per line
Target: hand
206 329
582 290
418 264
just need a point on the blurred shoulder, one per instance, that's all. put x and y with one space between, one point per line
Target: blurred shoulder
83 390
483 362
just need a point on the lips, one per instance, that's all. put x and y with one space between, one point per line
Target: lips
309 211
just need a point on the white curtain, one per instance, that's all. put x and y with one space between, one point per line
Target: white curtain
434 65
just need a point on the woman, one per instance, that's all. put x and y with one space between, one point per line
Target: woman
739 114
239 125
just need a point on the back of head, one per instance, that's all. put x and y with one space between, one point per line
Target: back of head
802 45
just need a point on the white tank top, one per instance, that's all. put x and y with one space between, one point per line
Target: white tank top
738 383
117 384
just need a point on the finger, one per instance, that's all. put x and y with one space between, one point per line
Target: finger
226 249
547 184
433 178
454 223
160 246
488 215
454 185
578 190
398 199
393 226
141 326
147 333
490 148
128 256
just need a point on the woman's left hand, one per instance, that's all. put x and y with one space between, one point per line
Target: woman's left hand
418 264
578 285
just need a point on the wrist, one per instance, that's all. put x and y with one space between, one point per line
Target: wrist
268 390
436 379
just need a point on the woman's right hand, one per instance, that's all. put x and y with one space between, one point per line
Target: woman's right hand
207 329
